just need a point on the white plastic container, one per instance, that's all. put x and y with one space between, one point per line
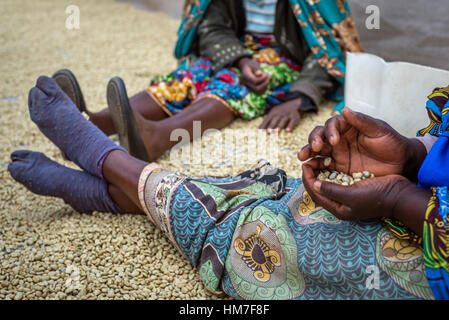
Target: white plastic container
395 92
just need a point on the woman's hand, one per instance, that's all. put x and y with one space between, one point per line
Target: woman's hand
252 77
284 116
391 196
370 198
357 142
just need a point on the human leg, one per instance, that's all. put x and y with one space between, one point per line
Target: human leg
156 135
79 189
59 120
141 103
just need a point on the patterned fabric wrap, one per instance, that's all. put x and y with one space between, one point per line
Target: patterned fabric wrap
438 111
434 175
401 231
259 235
192 82
327 26
192 15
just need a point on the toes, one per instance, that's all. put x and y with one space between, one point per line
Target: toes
16 169
35 95
48 86
20 155
25 163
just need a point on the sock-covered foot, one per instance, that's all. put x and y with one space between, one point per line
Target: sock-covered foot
60 121
79 189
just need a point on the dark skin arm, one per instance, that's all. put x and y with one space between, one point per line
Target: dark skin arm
357 142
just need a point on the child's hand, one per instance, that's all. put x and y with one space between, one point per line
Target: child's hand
284 116
252 77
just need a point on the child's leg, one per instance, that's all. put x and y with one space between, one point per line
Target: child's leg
212 113
141 103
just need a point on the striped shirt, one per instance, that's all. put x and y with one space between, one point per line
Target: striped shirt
260 16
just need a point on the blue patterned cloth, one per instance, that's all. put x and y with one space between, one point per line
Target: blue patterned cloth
259 235
434 175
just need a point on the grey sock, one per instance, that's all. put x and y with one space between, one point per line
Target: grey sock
60 121
81 190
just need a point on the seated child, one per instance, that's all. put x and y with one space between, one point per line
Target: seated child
243 58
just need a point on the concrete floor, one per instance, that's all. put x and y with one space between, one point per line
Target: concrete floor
410 30
171 7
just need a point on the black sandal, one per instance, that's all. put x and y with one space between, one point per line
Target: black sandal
124 121
68 83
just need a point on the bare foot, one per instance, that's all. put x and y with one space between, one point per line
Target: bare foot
155 138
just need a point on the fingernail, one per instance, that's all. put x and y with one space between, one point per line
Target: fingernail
317 186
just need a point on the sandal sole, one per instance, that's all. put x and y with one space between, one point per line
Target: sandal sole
124 121
66 80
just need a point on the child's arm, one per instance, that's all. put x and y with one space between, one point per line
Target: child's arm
314 82
218 37
252 76
219 41
306 93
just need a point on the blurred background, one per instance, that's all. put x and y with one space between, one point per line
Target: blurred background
410 30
